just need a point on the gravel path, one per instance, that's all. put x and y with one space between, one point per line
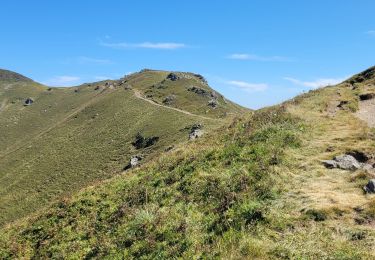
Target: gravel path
366 112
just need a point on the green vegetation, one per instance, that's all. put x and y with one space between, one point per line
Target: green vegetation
181 205
72 137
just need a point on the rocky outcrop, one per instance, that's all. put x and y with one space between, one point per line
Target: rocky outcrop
169 100
195 131
213 103
351 161
173 77
200 91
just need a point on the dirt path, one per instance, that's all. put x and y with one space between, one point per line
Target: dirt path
138 94
366 112
313 185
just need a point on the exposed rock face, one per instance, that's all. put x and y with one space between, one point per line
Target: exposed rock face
29 101
348 162
370 186
173 77
144 142
195 132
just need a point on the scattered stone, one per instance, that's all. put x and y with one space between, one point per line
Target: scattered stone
366 96
169 100
29 101
213 103
195 131
97 88
352 161
173 77
345 162
134 162
199 91
370 186
144 142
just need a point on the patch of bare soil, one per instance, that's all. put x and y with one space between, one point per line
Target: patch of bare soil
366 111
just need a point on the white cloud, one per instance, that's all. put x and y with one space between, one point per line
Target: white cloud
245 56
371 32
62 81
85 60
145 45
251 87
316 83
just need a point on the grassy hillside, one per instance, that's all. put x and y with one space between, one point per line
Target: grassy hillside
255 189
71 137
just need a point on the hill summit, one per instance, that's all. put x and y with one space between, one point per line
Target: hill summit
7 75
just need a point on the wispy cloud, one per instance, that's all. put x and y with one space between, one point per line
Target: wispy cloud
316 83
251 87
253 57
62 81
145 45
371 32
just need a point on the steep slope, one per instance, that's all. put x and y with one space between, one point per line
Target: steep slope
256 189
67 138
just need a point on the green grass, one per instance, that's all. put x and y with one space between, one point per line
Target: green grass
67 140
181 205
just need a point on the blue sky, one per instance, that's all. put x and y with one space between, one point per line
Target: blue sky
257 53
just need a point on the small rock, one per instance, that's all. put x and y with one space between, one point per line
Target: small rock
345 162
213 103
134 162
370 186
172 77
169 100
29 101
195 132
